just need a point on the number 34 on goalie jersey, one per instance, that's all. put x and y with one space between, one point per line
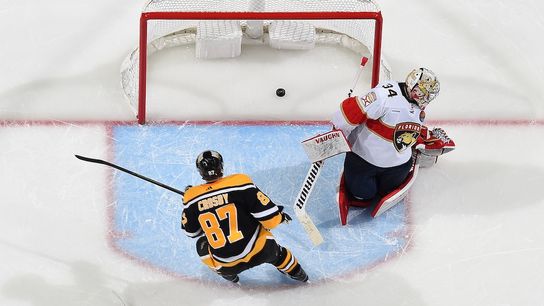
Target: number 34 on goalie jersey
232 213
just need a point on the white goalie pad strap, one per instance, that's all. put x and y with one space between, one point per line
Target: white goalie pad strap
394 197
326 145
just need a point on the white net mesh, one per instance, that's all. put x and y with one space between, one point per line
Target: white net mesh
354 34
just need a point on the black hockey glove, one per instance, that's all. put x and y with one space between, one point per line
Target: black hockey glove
285 218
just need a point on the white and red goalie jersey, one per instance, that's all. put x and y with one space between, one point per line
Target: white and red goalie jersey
382 125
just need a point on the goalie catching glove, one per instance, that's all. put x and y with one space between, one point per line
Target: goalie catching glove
431 144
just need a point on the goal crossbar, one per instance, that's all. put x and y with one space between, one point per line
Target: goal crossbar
149 16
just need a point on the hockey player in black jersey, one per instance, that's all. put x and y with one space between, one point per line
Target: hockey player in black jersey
231 218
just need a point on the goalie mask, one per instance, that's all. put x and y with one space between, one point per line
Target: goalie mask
210 165
422 86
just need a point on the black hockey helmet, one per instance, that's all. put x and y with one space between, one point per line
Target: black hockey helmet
210 165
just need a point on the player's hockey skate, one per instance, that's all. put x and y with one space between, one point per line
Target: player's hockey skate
233 278
299 274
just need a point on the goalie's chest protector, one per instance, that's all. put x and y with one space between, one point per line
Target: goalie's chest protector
381 126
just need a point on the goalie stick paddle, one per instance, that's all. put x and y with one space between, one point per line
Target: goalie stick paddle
103 162
302 199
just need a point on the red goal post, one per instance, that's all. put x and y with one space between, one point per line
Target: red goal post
359 21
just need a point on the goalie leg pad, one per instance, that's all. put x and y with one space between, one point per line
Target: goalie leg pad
343 201
391 178
365 181
397 195
346 200
392 185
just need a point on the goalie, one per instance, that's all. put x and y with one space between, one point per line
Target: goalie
388 140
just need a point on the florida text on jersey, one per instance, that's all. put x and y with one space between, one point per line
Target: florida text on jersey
234 215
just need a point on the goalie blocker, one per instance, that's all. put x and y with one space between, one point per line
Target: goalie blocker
430 145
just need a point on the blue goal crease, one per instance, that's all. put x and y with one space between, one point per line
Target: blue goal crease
273 156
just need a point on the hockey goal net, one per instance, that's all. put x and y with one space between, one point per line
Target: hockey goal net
219 28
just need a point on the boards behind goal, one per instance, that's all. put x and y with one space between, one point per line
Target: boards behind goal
220 29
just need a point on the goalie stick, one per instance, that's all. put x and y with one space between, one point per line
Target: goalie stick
364 59
103 162
302 199
318 148
317 152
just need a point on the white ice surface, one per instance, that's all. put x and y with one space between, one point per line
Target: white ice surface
478 237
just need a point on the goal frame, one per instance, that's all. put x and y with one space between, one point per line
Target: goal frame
149 16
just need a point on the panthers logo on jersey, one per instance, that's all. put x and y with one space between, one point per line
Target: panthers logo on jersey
405 135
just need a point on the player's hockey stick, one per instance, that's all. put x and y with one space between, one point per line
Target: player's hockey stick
302 199
103 162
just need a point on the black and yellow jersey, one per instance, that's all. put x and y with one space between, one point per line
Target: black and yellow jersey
234 215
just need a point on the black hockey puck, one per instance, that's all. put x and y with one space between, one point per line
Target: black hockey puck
280 92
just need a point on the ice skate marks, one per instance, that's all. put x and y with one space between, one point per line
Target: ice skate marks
146 219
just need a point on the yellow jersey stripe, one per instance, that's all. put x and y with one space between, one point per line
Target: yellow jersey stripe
231 181
272 222
258 246
286 260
